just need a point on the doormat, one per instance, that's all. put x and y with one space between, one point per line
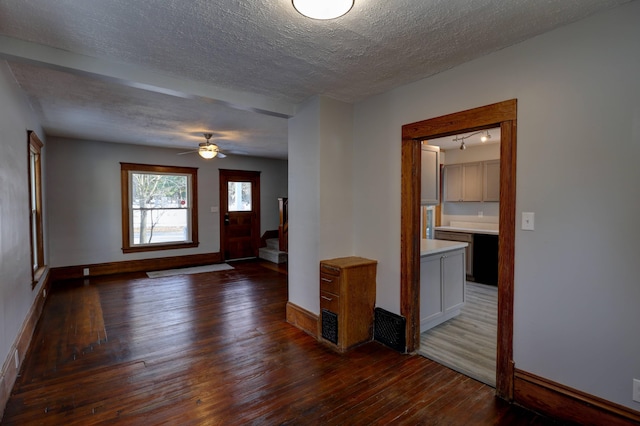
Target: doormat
186 271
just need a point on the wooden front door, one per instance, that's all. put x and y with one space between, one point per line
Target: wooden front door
239 214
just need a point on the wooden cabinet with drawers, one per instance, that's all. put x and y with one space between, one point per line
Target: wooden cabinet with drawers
347 300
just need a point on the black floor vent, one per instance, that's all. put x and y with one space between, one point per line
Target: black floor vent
330 326
389 329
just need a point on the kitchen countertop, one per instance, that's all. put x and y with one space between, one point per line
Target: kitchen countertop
468 230
429 247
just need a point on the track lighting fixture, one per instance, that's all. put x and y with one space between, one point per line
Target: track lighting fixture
485 137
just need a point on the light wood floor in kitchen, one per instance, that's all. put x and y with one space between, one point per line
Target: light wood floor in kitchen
468 342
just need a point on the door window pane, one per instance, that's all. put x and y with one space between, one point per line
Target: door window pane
239 196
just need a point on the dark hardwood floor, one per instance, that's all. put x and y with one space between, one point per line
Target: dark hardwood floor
214 349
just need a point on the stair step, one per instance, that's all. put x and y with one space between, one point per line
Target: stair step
273 243
272 255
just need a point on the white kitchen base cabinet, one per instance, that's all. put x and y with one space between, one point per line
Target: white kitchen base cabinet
442 287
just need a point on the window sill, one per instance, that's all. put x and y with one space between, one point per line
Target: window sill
37 275
157 247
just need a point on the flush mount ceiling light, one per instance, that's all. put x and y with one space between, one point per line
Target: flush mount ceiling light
323 9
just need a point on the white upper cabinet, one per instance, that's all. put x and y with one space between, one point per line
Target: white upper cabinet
453 182
472 182
491 190
463 182
430 181
478 181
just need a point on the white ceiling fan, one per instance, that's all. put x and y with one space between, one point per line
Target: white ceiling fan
207 149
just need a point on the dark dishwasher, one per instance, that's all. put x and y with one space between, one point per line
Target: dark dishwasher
485 259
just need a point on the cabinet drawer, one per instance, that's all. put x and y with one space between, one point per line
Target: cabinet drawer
330 283
328 269
330 302
454 236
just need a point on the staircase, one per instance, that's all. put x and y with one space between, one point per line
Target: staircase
272 253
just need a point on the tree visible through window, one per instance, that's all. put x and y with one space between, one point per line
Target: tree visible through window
159 207
239 196
159 203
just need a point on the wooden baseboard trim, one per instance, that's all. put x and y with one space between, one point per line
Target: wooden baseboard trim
141 265
567 404
12 363
302 319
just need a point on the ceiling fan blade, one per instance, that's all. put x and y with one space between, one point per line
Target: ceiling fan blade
187 152
221 155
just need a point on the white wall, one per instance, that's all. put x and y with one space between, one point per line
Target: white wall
16 295
304 205
577 295
336 179
321 200
84 197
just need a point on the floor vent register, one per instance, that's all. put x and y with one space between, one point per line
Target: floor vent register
389 329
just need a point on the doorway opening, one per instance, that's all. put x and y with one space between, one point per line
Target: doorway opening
239 214
465 210
504 116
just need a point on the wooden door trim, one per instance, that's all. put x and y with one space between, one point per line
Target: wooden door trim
226 175
503 114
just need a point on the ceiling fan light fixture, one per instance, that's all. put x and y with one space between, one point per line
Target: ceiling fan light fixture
323 9
208 151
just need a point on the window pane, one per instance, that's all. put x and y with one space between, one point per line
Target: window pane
153 226
158 190
34 239
239 197
160 207
34 214
32 176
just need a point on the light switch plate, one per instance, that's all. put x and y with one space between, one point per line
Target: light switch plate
528 221
636 390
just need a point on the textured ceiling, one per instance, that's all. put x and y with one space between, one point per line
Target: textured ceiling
163 72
